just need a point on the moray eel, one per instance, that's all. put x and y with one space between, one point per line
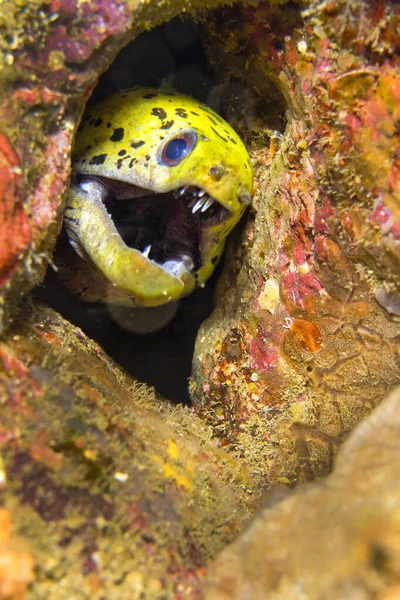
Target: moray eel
158 182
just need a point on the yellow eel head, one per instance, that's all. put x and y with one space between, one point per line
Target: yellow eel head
159 180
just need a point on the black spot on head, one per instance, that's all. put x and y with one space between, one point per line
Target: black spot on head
167 124
213 121
98 122
162 137
147 157
214 260
160 113
122 153
108 125
150 95
232 140
219 135
88 147
181 112
120 161
132 162
98 160
194 113
214 115
137 144
117 135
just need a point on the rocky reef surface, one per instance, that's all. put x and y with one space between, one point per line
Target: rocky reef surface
113 493
116 492
337 538
304 340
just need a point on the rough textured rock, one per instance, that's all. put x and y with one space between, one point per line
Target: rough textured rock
336 539
117 494
304 341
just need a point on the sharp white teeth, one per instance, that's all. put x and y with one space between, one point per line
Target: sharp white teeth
146 251
207 204
196 195
178 266
199 204
181 191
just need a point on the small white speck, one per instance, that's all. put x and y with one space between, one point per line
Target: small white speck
302 46
121 477
254 377
96 558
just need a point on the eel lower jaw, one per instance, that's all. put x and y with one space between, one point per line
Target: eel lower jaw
150 247
167 228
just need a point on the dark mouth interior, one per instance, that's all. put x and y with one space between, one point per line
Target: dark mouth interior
167 227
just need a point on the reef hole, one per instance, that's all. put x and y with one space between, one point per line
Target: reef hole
169 56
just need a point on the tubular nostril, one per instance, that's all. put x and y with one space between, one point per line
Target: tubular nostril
244 195
216 172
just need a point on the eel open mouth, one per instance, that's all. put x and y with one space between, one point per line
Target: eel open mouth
166 228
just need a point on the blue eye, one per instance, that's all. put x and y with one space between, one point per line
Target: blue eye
176 149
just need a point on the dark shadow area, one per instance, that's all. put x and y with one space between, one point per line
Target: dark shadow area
163 358
170 56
